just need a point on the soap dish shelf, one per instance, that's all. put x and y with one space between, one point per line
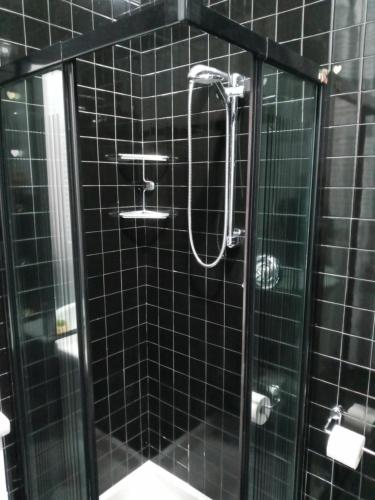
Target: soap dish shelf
137 157
143 214
149 185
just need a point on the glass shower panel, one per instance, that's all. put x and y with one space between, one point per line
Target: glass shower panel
282 239
166 334
43 282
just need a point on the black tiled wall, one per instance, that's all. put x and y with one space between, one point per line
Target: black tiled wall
343 331
47 380
15 480
337 31
151 307
24 27
109 97
193 316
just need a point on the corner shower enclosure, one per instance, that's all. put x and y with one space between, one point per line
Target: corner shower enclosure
137 369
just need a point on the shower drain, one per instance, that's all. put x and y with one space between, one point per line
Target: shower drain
267 271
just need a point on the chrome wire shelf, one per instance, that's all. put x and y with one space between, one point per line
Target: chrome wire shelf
138 157
143 214
148 186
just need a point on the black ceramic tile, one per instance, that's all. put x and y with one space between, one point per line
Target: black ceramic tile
325 368
348 78
334 231
37 33
361 293
347 43
336 202
343 109
356 351
339 172
326 342
289 25
316 48
341 141
361 264
261 9
289 4
369 39
265 26
15 5
349 13
12 27
331 288
103 7
366 135
332 260
368 79
367 488
38 11
328 315
358 322
354 378
82 20
367 108
370 11
317 18
60 13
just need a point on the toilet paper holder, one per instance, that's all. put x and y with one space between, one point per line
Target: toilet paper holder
335 418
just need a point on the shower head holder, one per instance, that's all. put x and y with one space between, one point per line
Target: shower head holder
236 86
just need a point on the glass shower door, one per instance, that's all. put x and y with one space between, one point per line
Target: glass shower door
280 285
43 285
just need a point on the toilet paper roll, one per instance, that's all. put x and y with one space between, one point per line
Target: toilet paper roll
345 446
357 416
260 408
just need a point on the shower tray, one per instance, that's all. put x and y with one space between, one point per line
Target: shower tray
152 481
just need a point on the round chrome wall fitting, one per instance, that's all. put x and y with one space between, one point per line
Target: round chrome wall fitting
267 272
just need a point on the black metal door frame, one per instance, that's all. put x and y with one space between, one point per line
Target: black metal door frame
247 464
11 320
72 134
72 138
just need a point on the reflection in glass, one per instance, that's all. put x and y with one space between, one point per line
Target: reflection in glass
36 168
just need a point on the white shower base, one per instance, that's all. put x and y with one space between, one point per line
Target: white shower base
150 481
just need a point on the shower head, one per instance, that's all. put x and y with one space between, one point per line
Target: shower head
207 75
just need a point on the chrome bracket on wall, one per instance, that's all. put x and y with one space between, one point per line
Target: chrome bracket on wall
148 185
335 417
274 395
233 92
237 86
234 238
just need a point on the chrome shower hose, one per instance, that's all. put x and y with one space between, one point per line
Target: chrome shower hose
190 179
